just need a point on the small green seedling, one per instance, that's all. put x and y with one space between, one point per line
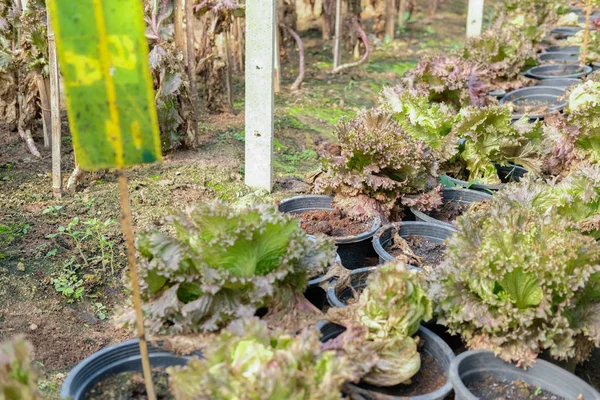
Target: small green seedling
68 283
52 210
100 310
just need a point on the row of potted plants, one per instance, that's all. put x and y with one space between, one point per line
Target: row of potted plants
255 303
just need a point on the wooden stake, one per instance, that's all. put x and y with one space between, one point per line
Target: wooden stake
127 227
180 36
191 66
401 12
390 13
586 32
57 187
44 90
240 43
276 62
338 34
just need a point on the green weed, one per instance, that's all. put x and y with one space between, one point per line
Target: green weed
68 283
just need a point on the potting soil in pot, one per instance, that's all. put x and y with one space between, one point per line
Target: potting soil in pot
491 389
331 223
526 105
130 385
417 250
449 211
431 377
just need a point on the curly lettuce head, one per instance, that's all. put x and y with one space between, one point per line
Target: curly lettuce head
430 122
247 361
518 282
379 165
492 137
584 113
381 325
394 303
219 264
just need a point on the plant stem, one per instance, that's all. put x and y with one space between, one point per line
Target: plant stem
135 287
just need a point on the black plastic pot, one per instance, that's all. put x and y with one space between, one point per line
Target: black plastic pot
566 31
315 293
564 49
433 232
352 249
558 71
497 93
559 83
358 279
113 360
506 173
546 94
433 345
460 195
559 58
479 364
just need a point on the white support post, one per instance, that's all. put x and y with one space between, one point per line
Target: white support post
474 18
260 43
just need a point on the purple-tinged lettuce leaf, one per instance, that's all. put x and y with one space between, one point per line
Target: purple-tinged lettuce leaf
379 163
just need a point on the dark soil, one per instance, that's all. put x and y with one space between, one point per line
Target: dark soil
130 386
449 211
526 106
491 389
331 223
431 253
430 378
589 371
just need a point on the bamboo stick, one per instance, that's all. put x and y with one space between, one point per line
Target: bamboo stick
191 66
338 34
127 227
240 43
401 12
180 36
586 33
276 62
228 76
390 13
45 107
55 113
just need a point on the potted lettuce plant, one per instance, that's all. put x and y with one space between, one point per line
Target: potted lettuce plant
247 361
496 149
219 264
377 170
520 282
378 328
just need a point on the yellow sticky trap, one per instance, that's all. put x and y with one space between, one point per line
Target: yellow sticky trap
103 56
